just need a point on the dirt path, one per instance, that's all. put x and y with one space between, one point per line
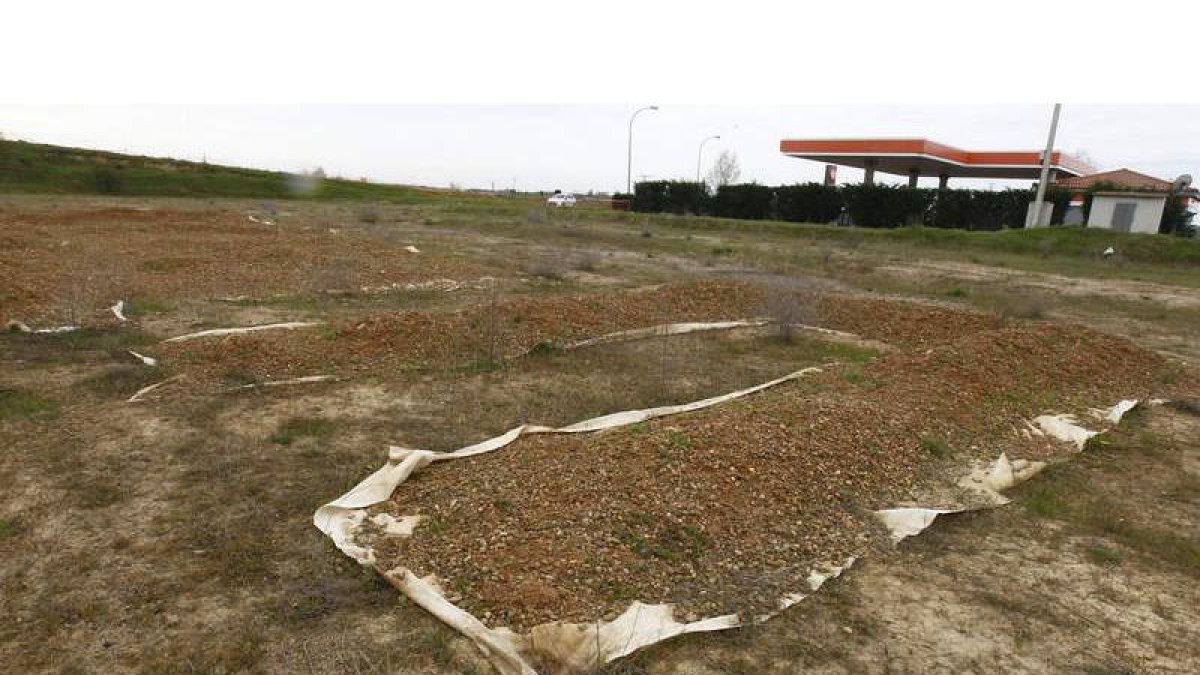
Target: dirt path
1168 296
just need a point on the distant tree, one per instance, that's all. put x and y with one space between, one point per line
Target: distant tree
724 171
318 172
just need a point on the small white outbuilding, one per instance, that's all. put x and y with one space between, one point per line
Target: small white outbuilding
1127 211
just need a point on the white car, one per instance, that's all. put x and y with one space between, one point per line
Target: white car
562 199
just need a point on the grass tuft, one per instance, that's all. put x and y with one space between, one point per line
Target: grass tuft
21 404
302 427
937 447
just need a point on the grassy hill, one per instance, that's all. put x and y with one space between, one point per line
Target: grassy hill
37 168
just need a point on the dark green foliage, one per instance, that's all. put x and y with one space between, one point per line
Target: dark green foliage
979 209
748 201
1175 219
808 203
108 180
673 196
886 205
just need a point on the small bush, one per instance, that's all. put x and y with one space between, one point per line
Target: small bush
938 447
787 310
368 215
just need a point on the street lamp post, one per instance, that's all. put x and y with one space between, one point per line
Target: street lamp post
629 155
700 152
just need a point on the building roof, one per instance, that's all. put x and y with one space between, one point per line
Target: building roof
1131 195
1120 178
900 156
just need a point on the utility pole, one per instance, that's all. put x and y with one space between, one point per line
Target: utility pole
1036 219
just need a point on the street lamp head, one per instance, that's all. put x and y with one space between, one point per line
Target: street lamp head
654 107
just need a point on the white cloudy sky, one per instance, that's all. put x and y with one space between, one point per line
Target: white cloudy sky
538 92
583 147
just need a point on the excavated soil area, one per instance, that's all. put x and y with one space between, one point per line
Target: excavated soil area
494 331
54 263
728 509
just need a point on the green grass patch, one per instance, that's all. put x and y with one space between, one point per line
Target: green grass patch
122 381
1104 556
937 447
37 168
853 375
1045 500
139 307
7 529
302 427
679 440
93 339
19 404
664 540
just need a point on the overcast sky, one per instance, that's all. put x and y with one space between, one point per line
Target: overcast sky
583 147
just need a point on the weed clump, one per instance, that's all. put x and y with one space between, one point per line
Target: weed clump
20 404
937 447
787 311
300 427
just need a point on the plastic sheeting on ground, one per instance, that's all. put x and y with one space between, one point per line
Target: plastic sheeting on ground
1002 474
575 647
215 332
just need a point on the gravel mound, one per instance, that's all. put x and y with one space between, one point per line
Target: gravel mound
728 509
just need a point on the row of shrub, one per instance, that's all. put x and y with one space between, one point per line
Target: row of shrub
869 206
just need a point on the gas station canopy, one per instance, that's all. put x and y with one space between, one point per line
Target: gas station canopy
914 157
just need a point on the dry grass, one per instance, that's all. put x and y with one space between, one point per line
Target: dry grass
174 536
787 310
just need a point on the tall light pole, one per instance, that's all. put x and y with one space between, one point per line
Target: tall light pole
701 152
1036 220
629 156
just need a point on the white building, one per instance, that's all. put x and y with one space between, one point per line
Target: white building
1122 200
1127 211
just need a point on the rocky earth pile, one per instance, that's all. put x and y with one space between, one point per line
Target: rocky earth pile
728 509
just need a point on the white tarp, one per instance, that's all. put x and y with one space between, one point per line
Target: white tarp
575 646
216 332
578 647
1002 474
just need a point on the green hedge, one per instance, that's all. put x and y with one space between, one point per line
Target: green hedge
868 205
675 196
808 203
886 205
748 201
980 209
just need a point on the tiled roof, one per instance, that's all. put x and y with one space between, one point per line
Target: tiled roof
1121 178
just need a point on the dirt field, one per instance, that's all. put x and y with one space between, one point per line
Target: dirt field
174 534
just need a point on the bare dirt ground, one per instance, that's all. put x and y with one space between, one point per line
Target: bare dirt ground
174 535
